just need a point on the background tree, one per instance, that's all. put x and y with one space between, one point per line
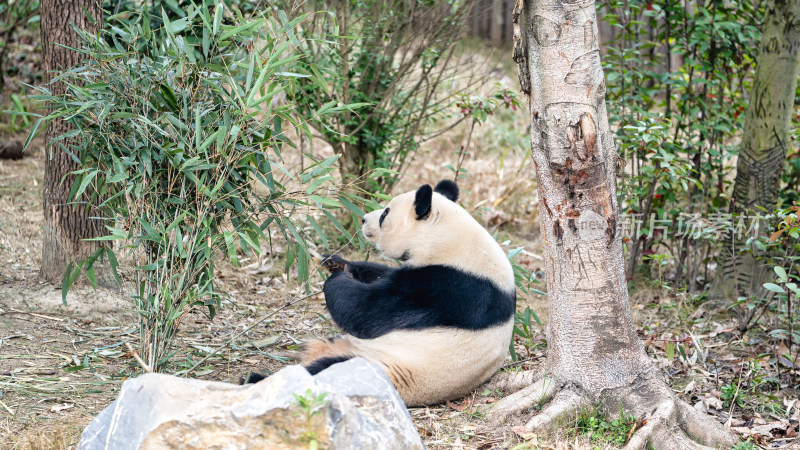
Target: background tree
764 141
66 224
593 355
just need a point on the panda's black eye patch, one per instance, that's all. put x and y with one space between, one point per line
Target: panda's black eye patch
383 216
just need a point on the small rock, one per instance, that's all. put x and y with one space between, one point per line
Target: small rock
360 409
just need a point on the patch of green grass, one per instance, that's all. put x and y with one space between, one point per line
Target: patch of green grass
476 413
601 431
745 445
730 392
524 446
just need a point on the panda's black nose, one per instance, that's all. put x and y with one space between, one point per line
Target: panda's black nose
363 221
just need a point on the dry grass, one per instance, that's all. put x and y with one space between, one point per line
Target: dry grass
53 436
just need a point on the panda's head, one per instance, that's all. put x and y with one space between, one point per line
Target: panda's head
426 227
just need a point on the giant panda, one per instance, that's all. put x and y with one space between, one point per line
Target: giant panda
440 324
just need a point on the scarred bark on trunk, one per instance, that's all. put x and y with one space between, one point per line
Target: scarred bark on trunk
594 355
66 225
764 140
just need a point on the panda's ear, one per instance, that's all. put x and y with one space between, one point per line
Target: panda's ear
422 201
447 188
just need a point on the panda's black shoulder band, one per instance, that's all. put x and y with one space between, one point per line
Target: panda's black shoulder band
417 299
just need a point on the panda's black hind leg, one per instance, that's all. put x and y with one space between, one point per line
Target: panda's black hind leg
323 363
252 377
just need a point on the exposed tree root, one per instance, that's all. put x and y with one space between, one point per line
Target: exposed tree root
564 407
534 394
701 427
512 381
669 422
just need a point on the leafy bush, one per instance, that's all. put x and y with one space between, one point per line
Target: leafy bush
475 109
396 57
687 70
181 145
778 246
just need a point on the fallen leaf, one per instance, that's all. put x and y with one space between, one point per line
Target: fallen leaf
59 408
784 356
789 404
266 342
700 406
526 434
203 348
713 402
636 425
699 313
460 407
770 428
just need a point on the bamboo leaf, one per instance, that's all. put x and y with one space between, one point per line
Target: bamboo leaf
325 201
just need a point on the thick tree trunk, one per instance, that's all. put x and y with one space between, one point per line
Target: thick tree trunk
66 225
764 140
594 354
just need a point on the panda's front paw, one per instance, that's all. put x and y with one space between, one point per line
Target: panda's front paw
334 263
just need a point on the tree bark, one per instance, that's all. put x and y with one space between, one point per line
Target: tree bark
764 140
594 355
66 224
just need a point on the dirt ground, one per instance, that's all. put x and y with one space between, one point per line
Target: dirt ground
61 364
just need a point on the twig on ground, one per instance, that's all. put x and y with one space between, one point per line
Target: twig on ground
138 359
735 395
10 411
522 361
185 372
41 316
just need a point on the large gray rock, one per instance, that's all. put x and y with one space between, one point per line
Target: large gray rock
361 410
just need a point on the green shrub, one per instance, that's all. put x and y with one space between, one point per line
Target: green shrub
176 130
691 106
395 56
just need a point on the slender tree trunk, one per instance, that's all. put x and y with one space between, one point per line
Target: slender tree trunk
66 225
496 22
594 354
764 140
